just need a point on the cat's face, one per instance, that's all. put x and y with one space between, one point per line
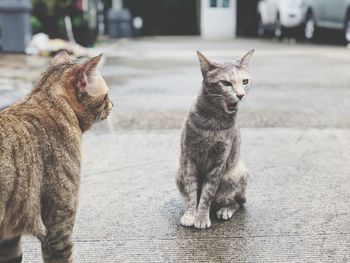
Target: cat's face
226 83
97 99
85 89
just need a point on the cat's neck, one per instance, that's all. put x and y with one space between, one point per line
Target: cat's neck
207 116
57 101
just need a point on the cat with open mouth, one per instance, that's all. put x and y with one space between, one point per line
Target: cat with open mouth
211 175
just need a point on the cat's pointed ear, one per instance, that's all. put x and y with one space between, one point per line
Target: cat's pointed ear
245 60
206 64
85 71
61 57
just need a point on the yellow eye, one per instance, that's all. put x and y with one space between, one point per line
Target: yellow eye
245 81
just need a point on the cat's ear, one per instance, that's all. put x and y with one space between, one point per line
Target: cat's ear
245 60
85 72
61 57
206 64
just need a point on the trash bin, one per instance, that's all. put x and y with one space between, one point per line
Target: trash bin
119 23
15 25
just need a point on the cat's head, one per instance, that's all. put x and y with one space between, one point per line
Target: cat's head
225 84
83 87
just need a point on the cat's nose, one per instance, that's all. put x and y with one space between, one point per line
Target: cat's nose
240 96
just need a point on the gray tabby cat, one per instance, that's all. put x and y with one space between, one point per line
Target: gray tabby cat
211 174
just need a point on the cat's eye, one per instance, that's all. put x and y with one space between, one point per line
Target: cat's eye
226 83
245 81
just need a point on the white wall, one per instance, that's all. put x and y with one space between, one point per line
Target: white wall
117 4
218 22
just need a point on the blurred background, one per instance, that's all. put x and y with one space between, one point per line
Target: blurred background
295 122
87 20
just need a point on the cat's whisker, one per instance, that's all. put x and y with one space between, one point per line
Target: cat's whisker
110 123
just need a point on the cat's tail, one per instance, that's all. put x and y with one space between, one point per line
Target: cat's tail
11 251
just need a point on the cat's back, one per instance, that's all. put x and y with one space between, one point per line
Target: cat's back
34 129
39 115
19 142
12 127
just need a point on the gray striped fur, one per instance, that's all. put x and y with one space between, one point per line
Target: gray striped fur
210 173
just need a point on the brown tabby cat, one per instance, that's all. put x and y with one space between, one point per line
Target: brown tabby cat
40 138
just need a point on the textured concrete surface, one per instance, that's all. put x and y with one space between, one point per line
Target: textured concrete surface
298 86
297 209
295 128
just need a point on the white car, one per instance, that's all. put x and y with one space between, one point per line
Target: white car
279 16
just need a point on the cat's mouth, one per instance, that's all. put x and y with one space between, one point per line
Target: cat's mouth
232 106
103 115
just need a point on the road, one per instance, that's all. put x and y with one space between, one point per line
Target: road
295 141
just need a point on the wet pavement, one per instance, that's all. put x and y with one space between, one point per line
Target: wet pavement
295 131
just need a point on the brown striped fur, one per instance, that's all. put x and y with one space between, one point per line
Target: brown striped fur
40 159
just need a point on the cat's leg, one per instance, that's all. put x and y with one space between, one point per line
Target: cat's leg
59 217
209 188
57 246
226 212
187 182
231 192
10 250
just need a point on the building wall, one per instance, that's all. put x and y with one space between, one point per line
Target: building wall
247 17
165 17
218 18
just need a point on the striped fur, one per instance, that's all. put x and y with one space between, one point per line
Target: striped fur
211 175
10 251
40 139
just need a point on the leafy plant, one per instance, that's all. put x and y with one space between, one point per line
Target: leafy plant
36 24
80 21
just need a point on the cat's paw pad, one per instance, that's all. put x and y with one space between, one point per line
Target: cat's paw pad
202 222
225 213
187 219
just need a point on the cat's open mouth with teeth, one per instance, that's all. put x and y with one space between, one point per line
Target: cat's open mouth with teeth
232 106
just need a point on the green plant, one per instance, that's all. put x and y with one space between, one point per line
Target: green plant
36 24
80 21
52 5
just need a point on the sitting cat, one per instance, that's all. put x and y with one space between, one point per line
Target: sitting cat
40 158
211 174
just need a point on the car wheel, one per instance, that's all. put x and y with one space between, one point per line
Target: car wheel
260 28
310 28
278 29
347 29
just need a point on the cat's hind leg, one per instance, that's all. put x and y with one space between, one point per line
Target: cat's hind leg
187 182
57 246
10 250
59 217
226 212
231 192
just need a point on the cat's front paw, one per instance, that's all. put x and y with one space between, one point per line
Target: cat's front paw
202 222
225 213
187 219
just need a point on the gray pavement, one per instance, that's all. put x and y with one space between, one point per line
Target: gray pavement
295 128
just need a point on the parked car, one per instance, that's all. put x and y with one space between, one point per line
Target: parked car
279 16
331 14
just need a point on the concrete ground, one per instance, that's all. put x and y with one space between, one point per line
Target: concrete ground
295 127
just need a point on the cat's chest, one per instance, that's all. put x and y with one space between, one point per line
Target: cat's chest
204 145
211 137
214 139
